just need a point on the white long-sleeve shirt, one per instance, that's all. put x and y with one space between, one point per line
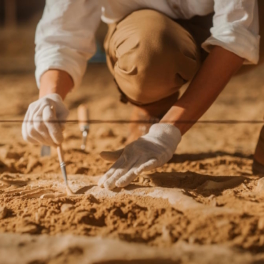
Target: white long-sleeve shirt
65 34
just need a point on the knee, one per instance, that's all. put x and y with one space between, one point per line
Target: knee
150 56
147 39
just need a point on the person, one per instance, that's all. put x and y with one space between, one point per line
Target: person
153 48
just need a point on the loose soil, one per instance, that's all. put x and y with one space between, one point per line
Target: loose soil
204 206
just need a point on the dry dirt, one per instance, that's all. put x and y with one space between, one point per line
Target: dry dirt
204 206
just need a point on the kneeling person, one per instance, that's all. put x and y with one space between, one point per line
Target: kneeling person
153 48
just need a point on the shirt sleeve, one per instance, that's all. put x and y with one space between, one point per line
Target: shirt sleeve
236 28
65 37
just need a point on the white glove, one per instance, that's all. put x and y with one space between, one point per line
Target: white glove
148 152
37 127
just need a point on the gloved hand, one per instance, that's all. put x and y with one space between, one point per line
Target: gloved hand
37 127
148 152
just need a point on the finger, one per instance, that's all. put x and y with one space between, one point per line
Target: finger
40 126
111 182
54 128
121 171
149 165
119 163
30 134
43 134
126 179
105 177
33 131
111 155
24 127
135 171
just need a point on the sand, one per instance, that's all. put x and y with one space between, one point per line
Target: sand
204 206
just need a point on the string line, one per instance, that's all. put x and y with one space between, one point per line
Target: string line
121 121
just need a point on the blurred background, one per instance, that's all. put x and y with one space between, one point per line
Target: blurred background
18 21
13 11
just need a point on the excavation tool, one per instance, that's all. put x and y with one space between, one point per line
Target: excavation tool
83 118
61 160
62 164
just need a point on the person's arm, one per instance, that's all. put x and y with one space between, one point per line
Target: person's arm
64 42
234 40
210 80
55 81
157 147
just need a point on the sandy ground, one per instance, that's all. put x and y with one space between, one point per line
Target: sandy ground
204 206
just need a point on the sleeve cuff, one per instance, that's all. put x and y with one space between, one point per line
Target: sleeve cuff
236 39
75 65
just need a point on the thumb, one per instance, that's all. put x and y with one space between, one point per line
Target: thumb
111 155
54 128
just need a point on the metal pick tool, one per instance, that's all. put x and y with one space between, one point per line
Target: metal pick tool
83 117
61 159
62 164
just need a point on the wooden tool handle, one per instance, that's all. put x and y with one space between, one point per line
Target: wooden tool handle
59 148
60 154
83 117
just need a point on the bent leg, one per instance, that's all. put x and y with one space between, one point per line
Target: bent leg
151 57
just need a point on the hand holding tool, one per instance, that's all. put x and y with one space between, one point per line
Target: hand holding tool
43 126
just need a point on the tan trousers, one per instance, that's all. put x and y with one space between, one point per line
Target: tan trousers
152 56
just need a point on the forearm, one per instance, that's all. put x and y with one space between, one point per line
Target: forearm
208 83
55 81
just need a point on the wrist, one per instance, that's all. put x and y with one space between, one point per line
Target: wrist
168 134
46 90
55 81
177 117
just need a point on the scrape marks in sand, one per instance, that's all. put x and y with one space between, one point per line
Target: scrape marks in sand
145 212
15 185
